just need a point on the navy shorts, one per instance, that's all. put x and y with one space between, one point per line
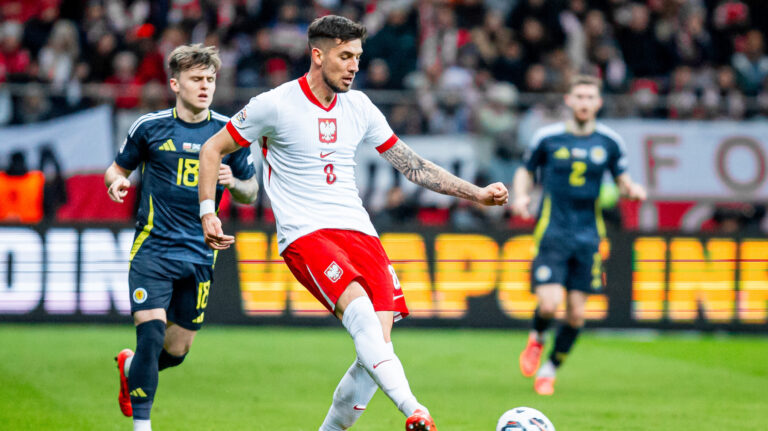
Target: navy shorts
179 287
572 265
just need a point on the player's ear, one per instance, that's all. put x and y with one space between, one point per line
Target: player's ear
317 56
174 84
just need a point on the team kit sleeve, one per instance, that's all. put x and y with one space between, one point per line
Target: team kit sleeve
617 160
241 163
534 155
255 120
132 151
378 134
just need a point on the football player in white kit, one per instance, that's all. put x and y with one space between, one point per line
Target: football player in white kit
308 130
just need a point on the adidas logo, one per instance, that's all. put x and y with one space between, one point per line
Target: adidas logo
199 318
167 146
138 392
562 153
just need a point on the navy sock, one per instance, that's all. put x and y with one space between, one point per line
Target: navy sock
142 377
167 360
540 324
564 340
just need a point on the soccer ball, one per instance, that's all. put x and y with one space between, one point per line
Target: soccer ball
524 419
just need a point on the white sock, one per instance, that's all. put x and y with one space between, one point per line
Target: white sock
547 370
377 356
350 399
127 365
142 425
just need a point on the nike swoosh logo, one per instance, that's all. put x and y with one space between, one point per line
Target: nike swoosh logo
322 156
356 407
376 365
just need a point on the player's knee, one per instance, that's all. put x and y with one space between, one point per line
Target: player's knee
547 309
575 320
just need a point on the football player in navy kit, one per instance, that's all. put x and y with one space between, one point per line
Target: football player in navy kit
171 267
570 159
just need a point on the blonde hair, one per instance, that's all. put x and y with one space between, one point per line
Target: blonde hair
187 57
585 80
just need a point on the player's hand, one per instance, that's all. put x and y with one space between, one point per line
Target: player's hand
213 234
520 206
493 194
118 189
226 178
636 192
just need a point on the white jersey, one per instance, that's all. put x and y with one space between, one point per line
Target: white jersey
309 150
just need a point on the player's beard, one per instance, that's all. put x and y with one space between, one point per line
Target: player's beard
334 87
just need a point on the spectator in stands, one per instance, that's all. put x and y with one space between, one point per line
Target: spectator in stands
14 58
125 85
682 101
377 77
396 44
151 66
497 120
101 57
509 65
491 38
34 106
405 119
536 79
39 27
724 100
251 67
751 64
644 54
692 43
441 38
58 57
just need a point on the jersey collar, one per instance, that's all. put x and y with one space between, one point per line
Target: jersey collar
193 125
587 130
311 96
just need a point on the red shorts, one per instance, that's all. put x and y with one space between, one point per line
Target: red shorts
328 260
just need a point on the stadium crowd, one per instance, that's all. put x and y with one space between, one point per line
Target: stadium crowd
492 67
468 61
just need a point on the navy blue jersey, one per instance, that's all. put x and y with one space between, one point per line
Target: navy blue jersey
571 169
167 150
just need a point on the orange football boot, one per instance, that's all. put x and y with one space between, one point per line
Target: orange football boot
420 421
530 358
544 385
124 397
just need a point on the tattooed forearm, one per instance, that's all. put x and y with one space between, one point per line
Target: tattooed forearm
427 174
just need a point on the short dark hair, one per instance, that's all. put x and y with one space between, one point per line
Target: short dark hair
585 80
335 27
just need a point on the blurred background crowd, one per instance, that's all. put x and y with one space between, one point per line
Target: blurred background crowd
495 68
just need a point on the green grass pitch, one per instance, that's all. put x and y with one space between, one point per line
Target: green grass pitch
63 377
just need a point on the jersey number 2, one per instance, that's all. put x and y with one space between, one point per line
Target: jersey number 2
188 171
577 174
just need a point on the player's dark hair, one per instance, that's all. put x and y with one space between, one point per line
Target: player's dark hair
335 27
585 80
187 57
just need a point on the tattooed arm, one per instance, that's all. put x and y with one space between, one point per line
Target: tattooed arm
427 174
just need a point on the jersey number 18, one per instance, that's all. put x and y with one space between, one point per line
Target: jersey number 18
188 171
